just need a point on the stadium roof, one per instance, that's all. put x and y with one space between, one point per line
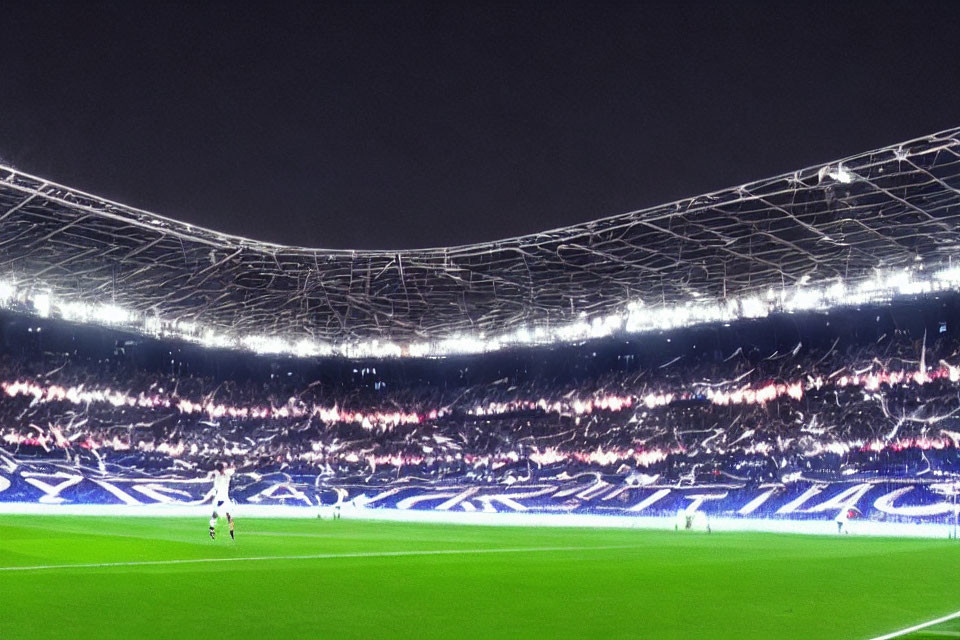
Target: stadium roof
865 228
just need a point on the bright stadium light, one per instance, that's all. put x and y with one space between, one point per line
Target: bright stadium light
754 308
74 311
7 291
844 176
214 339
635 318
111 314
152 325
265 344
41 303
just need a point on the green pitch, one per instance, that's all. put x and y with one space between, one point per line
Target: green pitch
943 631
293 579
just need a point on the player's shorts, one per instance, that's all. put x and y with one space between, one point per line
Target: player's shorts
222 506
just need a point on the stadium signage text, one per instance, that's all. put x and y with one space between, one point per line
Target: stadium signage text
913 501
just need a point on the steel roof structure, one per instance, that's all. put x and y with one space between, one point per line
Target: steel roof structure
889 209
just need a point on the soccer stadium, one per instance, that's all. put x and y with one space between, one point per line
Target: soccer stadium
732 416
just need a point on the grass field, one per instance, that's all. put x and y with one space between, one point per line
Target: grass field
944 631
145 578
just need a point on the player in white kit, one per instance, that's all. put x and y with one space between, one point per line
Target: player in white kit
221 499
341 494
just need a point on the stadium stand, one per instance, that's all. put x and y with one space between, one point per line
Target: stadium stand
876 413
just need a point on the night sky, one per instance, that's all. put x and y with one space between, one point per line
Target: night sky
405 125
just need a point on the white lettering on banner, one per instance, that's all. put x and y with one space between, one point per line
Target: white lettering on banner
51 493
844 500
510 499
166 495
380 496
452 502
649 500
4 484
125 497
616 492
563 493
287 492
486 507
754 504
407 503
885 503
591 492
700 498
798 502
8 464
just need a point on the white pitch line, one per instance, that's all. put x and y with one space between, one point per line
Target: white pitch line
317 556
917 627
285 534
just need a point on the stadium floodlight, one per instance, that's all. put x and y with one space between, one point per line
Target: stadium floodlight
41 303
862 230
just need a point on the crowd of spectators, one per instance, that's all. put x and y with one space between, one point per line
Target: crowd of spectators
889 407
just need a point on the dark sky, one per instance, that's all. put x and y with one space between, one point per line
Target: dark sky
366 125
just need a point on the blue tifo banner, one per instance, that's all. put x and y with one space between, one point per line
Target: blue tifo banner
877 499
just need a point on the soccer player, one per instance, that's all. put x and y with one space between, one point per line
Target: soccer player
221 498
341 494
842 519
